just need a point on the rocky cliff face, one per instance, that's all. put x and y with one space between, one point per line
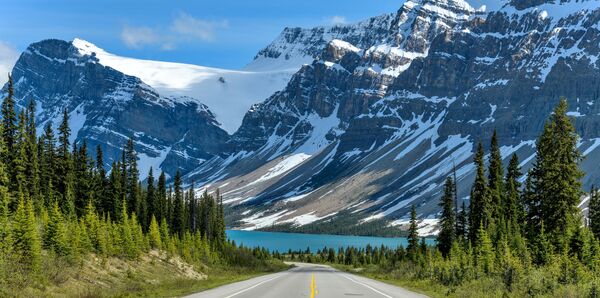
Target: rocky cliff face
392 105
377 116
106 107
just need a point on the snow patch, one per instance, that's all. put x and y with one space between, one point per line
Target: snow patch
228 93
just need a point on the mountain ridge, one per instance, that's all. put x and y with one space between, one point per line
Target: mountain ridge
387 108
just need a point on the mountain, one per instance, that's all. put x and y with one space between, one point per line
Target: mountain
161 104
390 106
228 93
106 107
340 128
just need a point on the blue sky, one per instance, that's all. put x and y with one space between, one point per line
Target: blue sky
224 33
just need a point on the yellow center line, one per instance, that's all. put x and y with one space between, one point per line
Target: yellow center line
313 287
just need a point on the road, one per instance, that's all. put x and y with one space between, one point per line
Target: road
308 280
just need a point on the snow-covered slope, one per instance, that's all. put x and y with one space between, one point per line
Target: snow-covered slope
106 107
391 105
348 124
228 93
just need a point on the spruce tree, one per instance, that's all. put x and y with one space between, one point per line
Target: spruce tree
20 161
27 244
151 197
178 212
64 174
513 209
484 251
556 177
220 237
154 234
447 223
193 209
495 179
83 177
161 192
413 235
48 165
33 163
9 125
56 234
132 177
594 212
164 232
479 206
5 229
103 203
462 223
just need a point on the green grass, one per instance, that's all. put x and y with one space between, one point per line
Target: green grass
182 287
537 283
152 275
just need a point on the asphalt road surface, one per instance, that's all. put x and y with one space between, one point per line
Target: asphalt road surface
308 280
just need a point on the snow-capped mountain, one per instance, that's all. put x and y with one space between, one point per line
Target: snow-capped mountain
390 106
106 107
228 93
343 124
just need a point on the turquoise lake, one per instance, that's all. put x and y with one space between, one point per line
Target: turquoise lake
283 242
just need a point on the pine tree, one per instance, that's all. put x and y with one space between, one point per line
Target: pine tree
413 235
48 166
193 210
64 174
26 238
177 224
9 125
33 166
128 245
447 220
513 209
594 212
495 179
161 192
115 195
220 237
83 177
103 203
151 197
5 229
479 206
462 223
56 233
555 177
541 248
132 177
204 214
154 234
20 160
484 251
164 232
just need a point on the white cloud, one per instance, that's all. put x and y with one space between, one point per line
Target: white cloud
337 20
188 26
8 57
137 37
184 28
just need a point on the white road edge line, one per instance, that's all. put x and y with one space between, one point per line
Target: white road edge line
256 285
366 285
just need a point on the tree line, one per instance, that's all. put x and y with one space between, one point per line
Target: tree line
58 201
521 238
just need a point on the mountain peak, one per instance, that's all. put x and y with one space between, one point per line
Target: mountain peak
86 48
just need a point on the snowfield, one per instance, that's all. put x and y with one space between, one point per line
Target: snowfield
228 93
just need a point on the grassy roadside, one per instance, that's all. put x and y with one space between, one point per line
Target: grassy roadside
183 287
152 275
418 286
536 284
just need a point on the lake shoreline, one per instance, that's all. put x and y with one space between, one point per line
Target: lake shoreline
285 241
